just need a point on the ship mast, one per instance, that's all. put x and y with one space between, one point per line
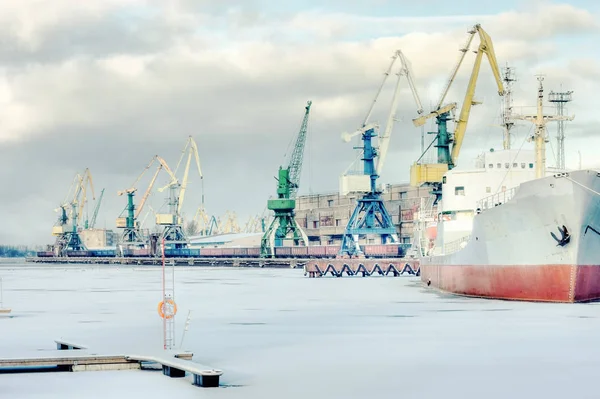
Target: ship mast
540 120
508 79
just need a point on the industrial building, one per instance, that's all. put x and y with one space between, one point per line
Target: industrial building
324 216
98 238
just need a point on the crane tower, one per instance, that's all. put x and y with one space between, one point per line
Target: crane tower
431 174
67 235
284 224
370 217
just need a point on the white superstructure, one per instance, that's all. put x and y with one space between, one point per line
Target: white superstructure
466 191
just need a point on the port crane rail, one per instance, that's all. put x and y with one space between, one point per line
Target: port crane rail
431 174
370 217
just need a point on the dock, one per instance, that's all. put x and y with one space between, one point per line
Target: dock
361 267
199 261
314 267
70 356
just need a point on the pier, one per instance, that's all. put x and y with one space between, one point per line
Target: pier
200 261
361 267
318 267
73 357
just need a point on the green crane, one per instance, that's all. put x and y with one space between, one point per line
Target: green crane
284 223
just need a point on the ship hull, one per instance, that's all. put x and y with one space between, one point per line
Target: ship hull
512 254
539 283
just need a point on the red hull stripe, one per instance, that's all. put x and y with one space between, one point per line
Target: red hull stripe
547 283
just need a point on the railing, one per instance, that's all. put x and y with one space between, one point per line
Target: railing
496 199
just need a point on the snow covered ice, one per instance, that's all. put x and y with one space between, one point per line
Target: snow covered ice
278 334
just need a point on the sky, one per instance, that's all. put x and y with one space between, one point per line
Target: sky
108 84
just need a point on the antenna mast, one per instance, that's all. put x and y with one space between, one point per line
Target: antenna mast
540 120
508 77
560 98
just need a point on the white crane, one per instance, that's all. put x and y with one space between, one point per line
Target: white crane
384 139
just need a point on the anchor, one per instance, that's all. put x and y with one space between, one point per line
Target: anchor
565 236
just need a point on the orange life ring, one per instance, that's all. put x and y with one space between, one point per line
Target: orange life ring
161 306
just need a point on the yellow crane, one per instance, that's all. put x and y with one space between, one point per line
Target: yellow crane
77 195
192 150
173 233
432 173
85 181
65 229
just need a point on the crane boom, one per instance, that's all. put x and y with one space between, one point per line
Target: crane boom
96 209
485 47
384 140
295 166
432 174
147 193
461 58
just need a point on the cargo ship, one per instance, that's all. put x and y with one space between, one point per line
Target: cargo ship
510 228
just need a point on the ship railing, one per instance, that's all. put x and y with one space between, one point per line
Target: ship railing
496 199
456 245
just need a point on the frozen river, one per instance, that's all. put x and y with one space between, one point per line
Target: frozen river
278 334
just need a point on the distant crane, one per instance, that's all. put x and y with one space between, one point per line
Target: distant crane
131 235
284 223
173 233
65 229
92 223
370 217
431 174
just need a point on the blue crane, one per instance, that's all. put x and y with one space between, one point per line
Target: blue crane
284 224
370 216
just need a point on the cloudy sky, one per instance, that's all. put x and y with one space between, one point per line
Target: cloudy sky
107 84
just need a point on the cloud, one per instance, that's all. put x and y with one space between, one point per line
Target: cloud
109 84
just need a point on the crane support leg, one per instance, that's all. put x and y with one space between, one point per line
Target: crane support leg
283 226
370 217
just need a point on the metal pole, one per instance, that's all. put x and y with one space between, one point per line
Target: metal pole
173 320
164 305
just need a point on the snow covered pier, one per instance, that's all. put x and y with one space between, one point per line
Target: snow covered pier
362 267
76 357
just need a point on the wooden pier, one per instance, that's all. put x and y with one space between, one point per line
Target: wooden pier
70 356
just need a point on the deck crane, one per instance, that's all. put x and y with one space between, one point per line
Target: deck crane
431 174
370 217
173 232
131 235
284 225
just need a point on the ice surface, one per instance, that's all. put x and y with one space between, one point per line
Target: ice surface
278 334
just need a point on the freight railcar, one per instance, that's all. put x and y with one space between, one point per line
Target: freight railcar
311 252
